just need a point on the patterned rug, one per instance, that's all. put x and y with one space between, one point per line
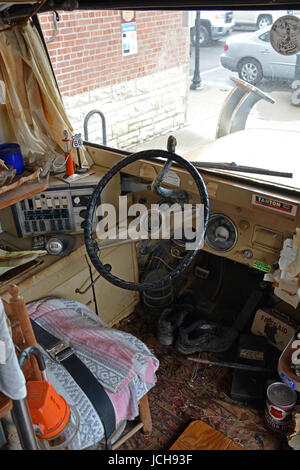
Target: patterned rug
187 391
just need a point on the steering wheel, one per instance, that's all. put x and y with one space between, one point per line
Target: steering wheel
93 247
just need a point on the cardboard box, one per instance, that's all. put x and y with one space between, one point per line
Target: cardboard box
277 330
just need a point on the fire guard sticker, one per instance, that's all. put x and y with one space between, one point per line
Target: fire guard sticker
266 268
274 204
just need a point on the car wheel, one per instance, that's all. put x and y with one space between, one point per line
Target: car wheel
250 71
263 21
204 36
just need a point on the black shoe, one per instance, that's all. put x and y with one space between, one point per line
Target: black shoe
171 319
205 336
188 298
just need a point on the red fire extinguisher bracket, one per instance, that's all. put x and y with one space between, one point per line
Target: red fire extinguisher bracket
68 154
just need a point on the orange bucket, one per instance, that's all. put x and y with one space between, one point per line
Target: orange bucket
49 411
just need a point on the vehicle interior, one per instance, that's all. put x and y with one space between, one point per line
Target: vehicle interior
150 226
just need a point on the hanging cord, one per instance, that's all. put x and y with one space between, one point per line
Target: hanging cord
60 167
55 26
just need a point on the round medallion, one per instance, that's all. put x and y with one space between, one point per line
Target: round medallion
128 15
285 35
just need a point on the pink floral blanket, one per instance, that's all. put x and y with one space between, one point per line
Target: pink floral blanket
122 363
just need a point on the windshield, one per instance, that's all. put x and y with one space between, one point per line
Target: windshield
129 79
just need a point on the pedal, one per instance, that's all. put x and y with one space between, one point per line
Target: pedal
249 387
201 273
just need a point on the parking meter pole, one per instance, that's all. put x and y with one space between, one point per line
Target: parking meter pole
297 67
197 82
295 98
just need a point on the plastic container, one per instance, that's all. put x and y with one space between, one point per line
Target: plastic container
11 155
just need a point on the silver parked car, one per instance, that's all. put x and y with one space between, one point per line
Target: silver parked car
258 19
253 57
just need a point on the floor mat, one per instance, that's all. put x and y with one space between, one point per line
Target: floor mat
187 392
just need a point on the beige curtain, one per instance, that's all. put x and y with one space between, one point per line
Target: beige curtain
34 106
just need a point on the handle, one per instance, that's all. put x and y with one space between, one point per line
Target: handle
27 352
22 332
156 185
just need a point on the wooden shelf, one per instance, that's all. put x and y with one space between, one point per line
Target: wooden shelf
200 436
22 192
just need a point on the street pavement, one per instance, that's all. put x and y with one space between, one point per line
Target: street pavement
203 110
204 105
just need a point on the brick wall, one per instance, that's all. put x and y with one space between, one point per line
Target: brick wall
86 52
87 56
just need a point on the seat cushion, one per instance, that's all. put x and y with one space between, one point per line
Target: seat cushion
123 364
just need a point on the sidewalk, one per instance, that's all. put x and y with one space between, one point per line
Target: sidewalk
203 110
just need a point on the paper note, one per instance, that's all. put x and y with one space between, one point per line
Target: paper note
294 266
290 298
287 256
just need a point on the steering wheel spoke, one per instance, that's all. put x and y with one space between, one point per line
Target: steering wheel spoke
167 193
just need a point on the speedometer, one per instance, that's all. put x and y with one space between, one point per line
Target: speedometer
221 233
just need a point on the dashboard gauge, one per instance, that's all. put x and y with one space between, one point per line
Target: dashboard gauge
221 233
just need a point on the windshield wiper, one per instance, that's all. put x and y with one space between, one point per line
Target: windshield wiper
243 169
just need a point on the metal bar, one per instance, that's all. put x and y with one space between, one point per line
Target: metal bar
229 106
85 125
231 365
22 420
240 114
79 291
55 27
243 169
3 440
127 436
297 67
237 107
92 284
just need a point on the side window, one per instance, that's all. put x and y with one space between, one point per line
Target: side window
132 68
265 36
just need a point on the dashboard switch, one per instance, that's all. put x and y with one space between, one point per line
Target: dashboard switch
244 225
248 254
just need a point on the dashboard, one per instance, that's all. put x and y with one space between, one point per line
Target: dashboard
247 224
